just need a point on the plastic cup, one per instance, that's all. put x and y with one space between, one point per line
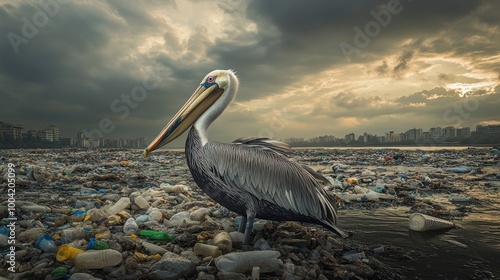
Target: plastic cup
421 222
223 240
206 250
67 252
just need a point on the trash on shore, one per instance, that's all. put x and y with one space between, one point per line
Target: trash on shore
422 222
107 214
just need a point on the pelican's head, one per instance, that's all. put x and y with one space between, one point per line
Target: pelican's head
216 91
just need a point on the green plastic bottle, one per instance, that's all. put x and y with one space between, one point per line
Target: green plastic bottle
96 244
155 235
59 272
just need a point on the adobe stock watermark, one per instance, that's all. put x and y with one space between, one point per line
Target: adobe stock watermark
10 257
277 123
125 104
363 37
46 9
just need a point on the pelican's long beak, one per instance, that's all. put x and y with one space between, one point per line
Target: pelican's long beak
197 104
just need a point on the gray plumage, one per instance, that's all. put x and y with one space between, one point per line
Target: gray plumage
253 178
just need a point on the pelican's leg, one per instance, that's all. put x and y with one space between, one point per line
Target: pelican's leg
243 224
248 230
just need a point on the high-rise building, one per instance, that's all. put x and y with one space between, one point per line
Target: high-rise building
349 138
11 130
449 132
391 136
436 132
51 134
463 131
55 132
488 129
414 134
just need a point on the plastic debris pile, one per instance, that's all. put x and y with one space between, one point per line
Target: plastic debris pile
111 214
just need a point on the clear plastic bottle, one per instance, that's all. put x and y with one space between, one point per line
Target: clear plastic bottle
422 222
141 202
153 249
223 240
155 215
206 250
121 204
243 262
75 233
98 259
130 227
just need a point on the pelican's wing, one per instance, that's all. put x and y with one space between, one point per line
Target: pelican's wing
265 144
268 175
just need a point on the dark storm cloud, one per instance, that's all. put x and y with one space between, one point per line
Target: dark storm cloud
383 68
402 63
440 106
350 101
86 56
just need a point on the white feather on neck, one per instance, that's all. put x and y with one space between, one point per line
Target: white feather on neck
212 113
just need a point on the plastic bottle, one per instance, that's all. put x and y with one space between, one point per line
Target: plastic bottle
421 222
155 235
236 236
4 230
206 250
153 249
199 214
255 273
141 202
95 215
78 216
354 256
87 191
98 259
96 244
71 234
142 218
36 208
67 252
223 241
59 272
245 261
459 199
130 227
179 218
46 243
155 215
121 204
262 244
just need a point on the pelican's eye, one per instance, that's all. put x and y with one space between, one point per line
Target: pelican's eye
211 79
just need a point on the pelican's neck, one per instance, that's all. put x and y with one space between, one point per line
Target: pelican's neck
212 113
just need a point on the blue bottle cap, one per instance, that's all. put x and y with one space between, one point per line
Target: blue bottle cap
91 244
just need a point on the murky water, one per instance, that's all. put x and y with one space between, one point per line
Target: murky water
428 255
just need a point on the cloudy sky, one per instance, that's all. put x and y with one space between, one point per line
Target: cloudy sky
306 68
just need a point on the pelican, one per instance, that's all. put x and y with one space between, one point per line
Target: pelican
251 177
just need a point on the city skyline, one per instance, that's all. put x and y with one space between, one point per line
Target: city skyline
120 70
434 134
